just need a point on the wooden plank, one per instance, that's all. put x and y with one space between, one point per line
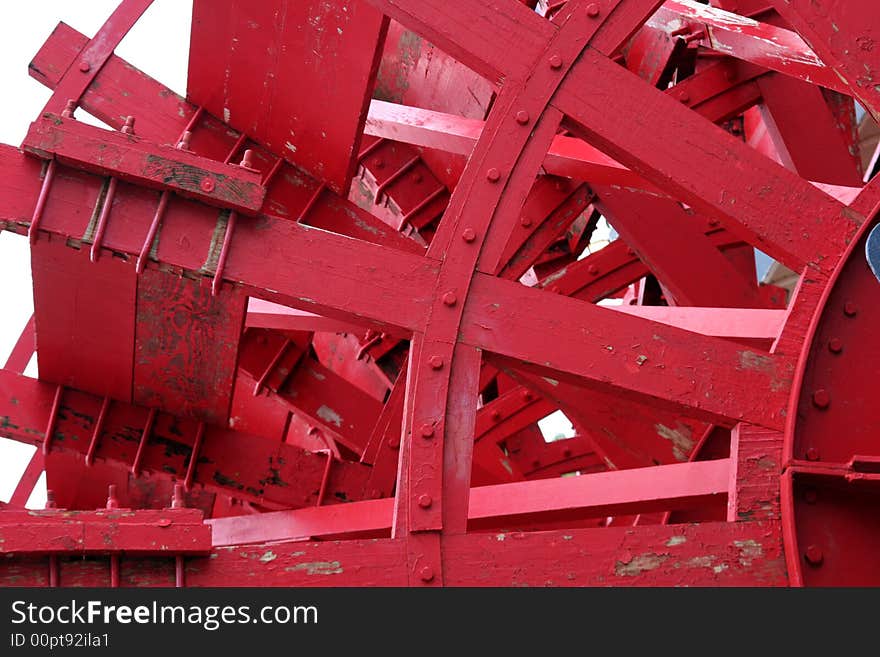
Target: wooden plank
316 62
186 345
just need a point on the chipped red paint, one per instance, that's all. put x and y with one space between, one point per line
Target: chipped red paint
328 314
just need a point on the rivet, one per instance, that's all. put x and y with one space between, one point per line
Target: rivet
835 345
427 430
425 501
495 415
593 10
555 61
593 269
522 117
813 555
468 235
436 362
810 496
380 163
812 454
85 67
685 97
525 222
394 443
493 175
554 289
821 398
526 395
207 185
850 309
450 299
427 574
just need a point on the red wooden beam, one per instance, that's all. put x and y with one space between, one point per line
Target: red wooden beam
508 506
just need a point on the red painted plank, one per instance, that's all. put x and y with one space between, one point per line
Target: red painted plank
317 64
84 315
186 345
138 161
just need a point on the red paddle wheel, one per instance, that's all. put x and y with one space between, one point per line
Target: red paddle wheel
304 322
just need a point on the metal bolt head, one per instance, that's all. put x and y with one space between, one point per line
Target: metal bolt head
495 415
522 117
835 345
821 398
427 430
380 163
493 175
685 97
394 443
50 499
426 574
555 61
425 501
128 127
450 299
813 555
526 395
207 185
468 235
850 309
525 222
85 67
436 362
593 269
593 10
812 454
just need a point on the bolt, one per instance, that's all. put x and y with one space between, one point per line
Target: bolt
50 499
427 430
247 160
183 144
554 289
810 496
207 185
555 61
468 235
84 66
427 574
526 222
69 109
812 454
526 395
493 175
850 309
436 362
380 163
128 127
425 501
522 117
593 10
821 398
593 269
813 555
495 415
685 97
835 345
450 299
394 443
112 502
177 499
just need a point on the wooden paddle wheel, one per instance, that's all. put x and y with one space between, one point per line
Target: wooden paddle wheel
303 323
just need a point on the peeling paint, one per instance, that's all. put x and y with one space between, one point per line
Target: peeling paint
329 415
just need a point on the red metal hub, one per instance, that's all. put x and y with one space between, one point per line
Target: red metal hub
327 297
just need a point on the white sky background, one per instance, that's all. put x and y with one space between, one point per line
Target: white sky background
158 45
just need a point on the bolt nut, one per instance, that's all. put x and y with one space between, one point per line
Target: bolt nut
85 67
425 501
593 10
812 454
427 430
813 555
522 117
493 175
207 185
525 222
593 269
426 574
450 299
850 309
436 362
468 235
821 398
495 415
835 345
555 61
394 443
